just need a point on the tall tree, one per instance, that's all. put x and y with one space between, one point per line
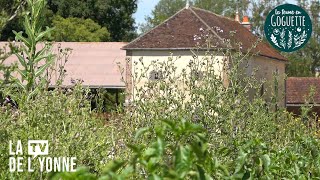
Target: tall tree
307 59
9 11
223 7
260 10
78 30
115 15
165 9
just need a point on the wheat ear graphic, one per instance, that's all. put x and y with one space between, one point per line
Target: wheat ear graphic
299 40
274 40
290 40
282 40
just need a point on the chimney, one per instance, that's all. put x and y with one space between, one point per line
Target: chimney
237 18
187 4
317 71
246 23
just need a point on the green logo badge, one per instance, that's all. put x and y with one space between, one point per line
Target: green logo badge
288 27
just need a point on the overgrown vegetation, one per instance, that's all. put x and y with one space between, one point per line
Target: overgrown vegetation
187 127
183 126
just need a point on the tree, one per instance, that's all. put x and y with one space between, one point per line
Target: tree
164 9
260 10
78 29
115 15
307 59
223 7
16 19
9 11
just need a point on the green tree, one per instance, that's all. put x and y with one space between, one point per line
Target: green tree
165 9
222 7
299 66
16 19
9 9
304 61
115 15
260 10
77 29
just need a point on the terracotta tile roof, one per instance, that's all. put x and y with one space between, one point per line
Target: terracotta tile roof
93 62
298 88
178 32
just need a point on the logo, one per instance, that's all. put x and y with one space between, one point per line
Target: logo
38 147
38 151
288 27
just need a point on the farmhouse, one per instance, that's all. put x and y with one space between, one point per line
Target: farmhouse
180 34
96 65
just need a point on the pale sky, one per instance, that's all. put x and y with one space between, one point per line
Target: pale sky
145 8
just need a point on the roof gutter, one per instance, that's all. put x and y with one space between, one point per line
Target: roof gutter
202 49
91 87
298 105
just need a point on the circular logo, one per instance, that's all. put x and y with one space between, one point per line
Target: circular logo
288 27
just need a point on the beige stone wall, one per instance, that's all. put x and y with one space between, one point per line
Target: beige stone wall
181 60
265 68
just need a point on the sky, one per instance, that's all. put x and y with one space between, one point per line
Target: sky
145 8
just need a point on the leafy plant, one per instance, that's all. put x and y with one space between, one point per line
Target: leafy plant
78 30
33 62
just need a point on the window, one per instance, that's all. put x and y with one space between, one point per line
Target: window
262 90
197 75
155 75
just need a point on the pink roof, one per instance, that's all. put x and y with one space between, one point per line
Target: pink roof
93 62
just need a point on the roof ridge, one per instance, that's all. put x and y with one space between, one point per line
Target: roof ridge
294 77
154 28
219 37
214 13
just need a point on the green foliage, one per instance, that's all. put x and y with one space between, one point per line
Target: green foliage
107 100
78 30
260 10
116 16
305 61
300 66
63 118
9 9
162 11
32 62
226 8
